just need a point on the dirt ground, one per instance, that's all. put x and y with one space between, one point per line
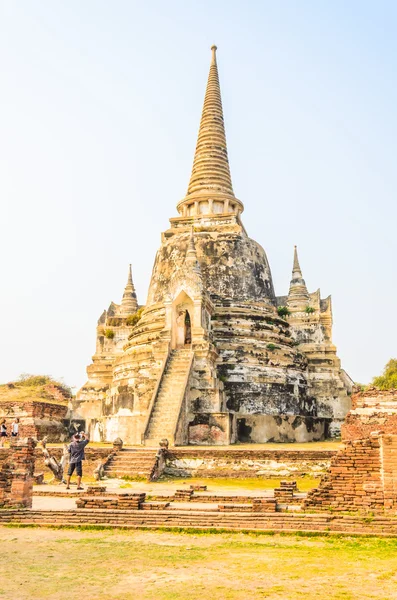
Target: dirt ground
60 564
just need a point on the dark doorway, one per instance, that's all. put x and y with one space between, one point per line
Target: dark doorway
188 329
243 432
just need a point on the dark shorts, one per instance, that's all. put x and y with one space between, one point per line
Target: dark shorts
79 469
3 434
14 434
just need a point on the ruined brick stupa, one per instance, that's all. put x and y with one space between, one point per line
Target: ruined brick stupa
211 358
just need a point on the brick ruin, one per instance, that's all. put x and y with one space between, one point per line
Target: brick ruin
16 475
362 478
37 419
372 410
43 409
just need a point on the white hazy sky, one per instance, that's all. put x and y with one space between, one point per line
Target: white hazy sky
99 110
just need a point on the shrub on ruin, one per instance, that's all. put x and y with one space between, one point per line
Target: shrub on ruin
133 319
309 310
283 311
109 334
272 347
35 381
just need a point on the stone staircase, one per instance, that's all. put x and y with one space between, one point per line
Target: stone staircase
134 463
164 415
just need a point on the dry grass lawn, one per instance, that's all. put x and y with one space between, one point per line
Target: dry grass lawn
60 564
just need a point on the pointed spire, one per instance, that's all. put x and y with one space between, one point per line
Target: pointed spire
129 303
210 178
297 291
296 269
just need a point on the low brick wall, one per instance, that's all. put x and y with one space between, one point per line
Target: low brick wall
264 505
372 410
99 499
16 475
208 520
362 478
230 462
37 419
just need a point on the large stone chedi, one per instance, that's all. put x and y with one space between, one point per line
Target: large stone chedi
210 360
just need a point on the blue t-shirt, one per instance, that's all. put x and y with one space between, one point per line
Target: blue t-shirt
76 451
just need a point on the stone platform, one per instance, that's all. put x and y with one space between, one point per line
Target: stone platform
206 520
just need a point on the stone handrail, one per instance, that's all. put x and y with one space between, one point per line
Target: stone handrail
154 395
183 394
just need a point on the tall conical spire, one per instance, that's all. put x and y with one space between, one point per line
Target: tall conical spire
297 290
129 303
296 269
210 179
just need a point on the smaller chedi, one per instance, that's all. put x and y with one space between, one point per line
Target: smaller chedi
214 356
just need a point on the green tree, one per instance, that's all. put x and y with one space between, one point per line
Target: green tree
388 380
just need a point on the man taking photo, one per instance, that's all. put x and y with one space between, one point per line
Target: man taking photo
76 453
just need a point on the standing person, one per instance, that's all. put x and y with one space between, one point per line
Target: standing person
3 432
15 427
76 453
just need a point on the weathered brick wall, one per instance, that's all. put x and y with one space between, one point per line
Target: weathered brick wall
372 410
362 478
230 462
37 419
16 475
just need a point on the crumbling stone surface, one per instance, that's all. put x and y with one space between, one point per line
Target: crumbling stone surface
233 462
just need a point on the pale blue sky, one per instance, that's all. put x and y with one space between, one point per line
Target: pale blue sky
99 109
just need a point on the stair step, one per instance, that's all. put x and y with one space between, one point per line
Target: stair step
163 417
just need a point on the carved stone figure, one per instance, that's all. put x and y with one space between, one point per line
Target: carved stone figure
52 463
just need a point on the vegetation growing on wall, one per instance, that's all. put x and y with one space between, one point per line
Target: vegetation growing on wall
283 311
30 387
309 310
133 319
27 380
272 347
109 333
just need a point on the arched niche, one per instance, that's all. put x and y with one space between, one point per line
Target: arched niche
182 321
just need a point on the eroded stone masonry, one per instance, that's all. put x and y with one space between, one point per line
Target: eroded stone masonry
213 357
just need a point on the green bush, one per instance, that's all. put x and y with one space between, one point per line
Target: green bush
133 319
109 334
27 380
33 380
283 311
272 347
387 381
309 310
